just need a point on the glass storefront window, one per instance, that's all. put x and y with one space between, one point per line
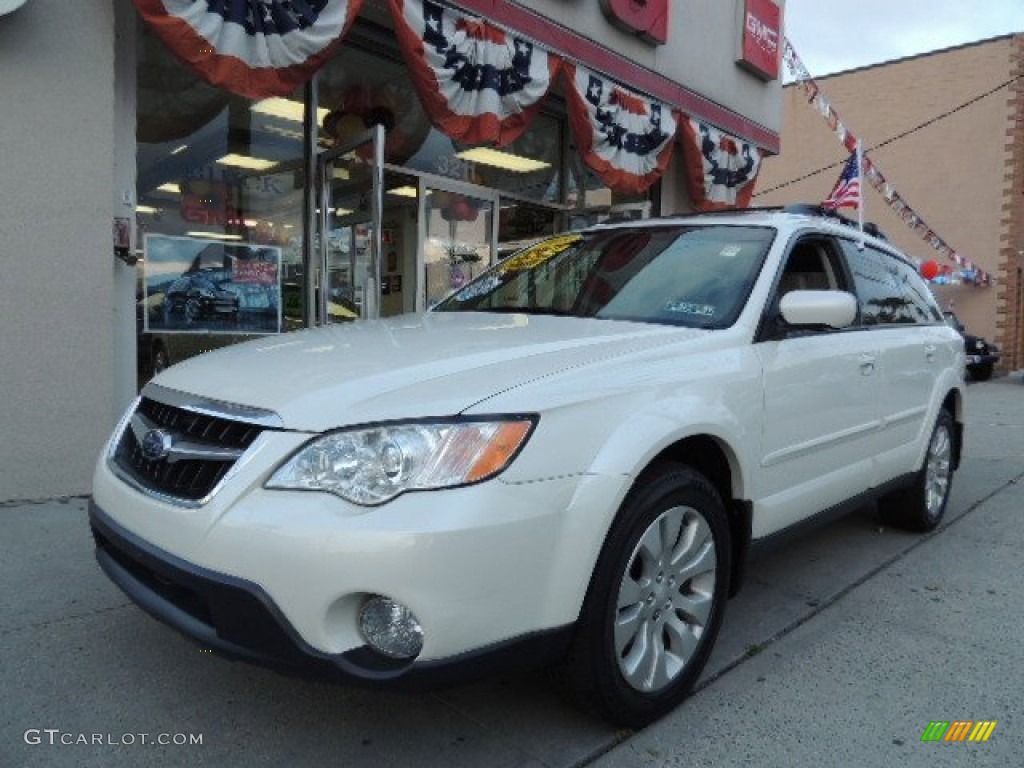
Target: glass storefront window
521 224
457 243
222 187
219 211
592 201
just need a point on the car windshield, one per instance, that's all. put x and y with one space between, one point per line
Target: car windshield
677 275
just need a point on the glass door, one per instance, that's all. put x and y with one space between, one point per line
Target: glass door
348 229
458 237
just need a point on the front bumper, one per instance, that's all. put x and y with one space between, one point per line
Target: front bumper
237 619
494 572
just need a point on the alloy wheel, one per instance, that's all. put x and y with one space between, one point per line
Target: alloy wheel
938 470
665 599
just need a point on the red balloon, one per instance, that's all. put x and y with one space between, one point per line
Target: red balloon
929 270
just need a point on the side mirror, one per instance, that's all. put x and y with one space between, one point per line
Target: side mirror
834 309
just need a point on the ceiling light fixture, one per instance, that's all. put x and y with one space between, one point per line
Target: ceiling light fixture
286 109
214 235
504 160
406 191
244 161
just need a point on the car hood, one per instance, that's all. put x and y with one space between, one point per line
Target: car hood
411 366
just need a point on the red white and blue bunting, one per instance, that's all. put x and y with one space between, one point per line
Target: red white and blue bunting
625 138
255 48
721 169
478 83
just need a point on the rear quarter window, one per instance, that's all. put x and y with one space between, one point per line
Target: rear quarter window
889 290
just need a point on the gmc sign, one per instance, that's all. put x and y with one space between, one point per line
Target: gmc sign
761 38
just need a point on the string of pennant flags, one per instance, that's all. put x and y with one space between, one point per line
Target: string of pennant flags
968 272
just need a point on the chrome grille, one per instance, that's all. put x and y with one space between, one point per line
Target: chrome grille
204 447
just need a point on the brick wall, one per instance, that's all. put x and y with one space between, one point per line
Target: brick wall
1010 318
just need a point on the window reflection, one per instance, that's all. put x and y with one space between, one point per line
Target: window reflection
219 196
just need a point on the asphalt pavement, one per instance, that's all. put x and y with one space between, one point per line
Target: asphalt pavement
841 650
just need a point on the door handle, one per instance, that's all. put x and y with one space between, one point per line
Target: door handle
929 353
867 364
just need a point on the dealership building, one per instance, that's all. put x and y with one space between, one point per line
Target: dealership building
178 175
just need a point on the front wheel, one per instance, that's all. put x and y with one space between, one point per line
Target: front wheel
921 506
656 599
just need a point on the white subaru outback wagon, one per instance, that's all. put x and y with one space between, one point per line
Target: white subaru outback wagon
568 459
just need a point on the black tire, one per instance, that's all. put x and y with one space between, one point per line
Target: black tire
981 372
667 617
921 506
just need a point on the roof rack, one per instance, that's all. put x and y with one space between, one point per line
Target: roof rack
870 228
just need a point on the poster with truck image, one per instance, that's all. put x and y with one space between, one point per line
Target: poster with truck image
199 285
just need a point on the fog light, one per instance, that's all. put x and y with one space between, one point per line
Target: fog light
390 628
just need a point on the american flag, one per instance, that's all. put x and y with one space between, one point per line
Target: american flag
846 192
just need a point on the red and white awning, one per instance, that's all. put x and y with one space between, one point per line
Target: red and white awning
478 83
721 169
255 48
624 137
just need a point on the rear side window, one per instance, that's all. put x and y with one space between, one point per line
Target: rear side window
889 290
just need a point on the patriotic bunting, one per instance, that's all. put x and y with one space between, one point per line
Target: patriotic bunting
255 48
969 272
721 169
625 138
478 83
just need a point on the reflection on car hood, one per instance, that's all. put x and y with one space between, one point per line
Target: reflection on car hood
411 366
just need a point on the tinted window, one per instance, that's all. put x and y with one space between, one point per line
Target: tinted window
889 291
916 291
693 276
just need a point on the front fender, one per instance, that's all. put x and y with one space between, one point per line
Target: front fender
639 440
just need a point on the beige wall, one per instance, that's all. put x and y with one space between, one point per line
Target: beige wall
952 173
56 277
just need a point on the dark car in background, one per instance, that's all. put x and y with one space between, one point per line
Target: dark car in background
196 296
982 355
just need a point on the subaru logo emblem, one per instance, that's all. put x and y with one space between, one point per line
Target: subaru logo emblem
156 444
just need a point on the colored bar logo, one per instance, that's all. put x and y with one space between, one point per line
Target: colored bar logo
958 730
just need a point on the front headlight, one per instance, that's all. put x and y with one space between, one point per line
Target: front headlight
373 465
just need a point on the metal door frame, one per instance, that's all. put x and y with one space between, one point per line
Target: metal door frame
373 136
